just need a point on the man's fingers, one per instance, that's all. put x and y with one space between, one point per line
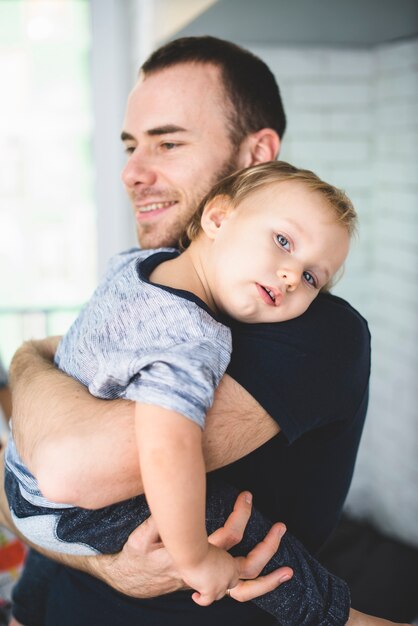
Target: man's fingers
249 589
232 531
251 565
144 536
204 599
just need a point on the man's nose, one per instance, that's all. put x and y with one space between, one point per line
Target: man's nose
138 171
290 276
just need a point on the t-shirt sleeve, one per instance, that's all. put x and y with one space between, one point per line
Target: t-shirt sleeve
307 372
117 262
182 378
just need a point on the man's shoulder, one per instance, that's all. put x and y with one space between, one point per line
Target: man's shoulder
310 371
328 305
334 318
330 324
132 255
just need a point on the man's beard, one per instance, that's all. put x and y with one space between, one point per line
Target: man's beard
170 234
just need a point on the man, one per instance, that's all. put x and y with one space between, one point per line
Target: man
296 395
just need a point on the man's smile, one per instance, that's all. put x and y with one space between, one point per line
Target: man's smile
152 209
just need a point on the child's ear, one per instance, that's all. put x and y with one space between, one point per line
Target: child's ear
214 214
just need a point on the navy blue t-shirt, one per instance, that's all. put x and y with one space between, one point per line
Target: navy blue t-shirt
311 375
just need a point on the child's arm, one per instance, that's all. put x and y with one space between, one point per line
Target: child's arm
173 474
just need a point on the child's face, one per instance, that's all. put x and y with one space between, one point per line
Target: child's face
271 255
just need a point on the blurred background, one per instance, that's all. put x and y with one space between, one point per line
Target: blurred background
348 73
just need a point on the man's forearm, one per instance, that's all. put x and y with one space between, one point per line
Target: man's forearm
91 565
98 442
31 364
65 435
361 619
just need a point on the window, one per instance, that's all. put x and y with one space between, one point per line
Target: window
47 215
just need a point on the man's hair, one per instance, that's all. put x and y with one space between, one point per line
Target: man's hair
243 183
250 87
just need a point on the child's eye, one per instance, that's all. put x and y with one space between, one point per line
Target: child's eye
283 241
311 280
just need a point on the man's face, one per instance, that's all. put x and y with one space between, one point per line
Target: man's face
176 138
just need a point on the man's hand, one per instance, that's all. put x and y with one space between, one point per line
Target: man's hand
361 619
251 585
144 568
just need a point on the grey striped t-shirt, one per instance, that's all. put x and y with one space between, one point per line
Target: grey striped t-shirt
133 340
147 343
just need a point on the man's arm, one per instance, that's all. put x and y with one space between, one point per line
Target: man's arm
361 619
64 434
144 552
234 411
144 569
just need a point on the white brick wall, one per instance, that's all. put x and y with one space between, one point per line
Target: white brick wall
353 118
328 96
388 462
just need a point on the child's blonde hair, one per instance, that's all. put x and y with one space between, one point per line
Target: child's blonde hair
241 184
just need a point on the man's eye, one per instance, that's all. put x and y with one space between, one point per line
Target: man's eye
169 145
311 280
283 241
129 149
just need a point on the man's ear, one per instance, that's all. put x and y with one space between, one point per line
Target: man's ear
214 214
259 147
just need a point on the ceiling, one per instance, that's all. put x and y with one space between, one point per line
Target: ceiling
308 22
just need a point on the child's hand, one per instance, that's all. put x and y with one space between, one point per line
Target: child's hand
216 573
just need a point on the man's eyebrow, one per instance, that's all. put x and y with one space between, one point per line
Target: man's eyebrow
164 130
158 130
126 136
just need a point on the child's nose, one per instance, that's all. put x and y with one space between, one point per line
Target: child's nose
290 276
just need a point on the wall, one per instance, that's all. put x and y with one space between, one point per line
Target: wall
385 488
353 118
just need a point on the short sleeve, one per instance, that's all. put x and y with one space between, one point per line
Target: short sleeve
182 378
307 372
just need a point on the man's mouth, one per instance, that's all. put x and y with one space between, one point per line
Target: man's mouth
155 206
152 209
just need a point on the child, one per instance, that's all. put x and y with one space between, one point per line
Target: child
263 244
